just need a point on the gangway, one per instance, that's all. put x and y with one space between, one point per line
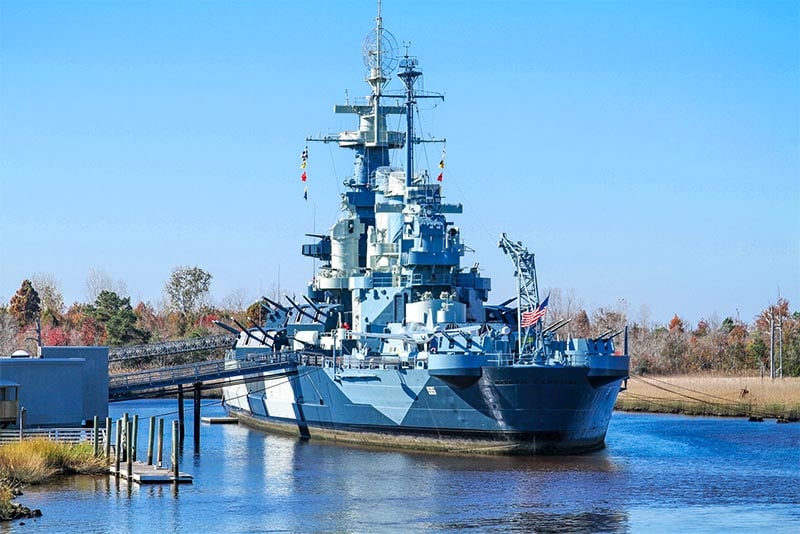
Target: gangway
136 384
164 348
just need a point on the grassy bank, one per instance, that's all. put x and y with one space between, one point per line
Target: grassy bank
37 460
741 396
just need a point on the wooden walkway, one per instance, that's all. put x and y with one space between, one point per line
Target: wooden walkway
150 474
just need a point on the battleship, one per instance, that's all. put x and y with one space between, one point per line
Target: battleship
395 343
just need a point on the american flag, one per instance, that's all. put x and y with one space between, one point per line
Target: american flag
530 318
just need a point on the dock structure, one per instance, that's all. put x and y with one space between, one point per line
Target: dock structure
220 420
150 474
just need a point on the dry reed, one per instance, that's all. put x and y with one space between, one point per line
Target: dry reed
37 460
713 395
34 461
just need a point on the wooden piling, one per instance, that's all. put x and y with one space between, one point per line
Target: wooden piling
175 440
150 434
108 438
96 435
135 436
125 436
197 389
129 451
160 454
180 412
117 449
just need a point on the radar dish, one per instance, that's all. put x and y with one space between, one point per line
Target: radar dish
386 58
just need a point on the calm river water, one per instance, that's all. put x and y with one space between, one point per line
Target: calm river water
658 474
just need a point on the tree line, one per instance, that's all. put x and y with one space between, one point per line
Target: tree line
728 345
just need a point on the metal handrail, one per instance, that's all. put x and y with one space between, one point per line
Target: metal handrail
194 372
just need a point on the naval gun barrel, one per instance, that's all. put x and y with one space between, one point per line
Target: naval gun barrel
506 302
612 336
246 331
304 343
557 325
603 335
267 309
316 308
276 304
446 335
452 339
301 310
264 332
224 326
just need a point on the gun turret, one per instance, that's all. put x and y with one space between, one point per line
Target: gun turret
264 332
301 310
316 308
246 331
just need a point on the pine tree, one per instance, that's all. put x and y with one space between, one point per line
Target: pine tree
25 305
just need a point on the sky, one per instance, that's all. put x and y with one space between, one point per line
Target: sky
647 152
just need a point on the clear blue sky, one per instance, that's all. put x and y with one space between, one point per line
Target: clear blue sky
646 151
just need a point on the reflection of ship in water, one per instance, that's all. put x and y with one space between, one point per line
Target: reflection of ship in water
595 521
395 343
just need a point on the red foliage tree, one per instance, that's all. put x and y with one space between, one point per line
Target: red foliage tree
55 337
676 324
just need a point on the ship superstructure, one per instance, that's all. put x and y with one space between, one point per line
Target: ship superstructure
394 342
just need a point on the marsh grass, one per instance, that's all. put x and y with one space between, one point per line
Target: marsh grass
37 460
713 395
7 495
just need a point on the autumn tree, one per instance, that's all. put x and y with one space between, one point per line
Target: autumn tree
98 281
580 326
51 299
83 328
25 305
149 320
791 345
255 312
116 314
8 332
676 325
609 320
187 290
786 327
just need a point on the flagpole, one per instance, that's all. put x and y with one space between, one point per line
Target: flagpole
519 310
539 323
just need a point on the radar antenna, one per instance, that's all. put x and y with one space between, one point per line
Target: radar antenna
380 54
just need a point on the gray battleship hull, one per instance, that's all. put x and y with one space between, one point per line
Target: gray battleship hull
505 410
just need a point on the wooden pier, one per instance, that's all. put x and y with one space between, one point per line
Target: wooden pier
150 474
220 420
125 464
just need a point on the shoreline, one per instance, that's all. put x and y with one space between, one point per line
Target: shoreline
713 395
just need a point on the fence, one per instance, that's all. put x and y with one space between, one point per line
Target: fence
63 435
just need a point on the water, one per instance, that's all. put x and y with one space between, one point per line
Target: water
658 473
